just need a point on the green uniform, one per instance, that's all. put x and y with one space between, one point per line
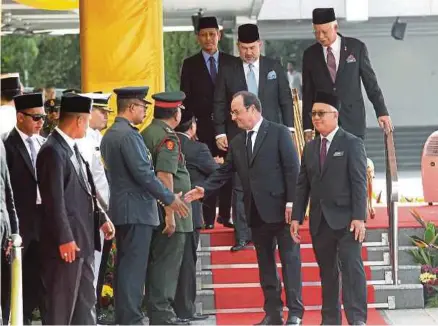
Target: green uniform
166 252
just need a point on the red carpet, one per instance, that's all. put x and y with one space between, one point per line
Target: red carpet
230 293
310 318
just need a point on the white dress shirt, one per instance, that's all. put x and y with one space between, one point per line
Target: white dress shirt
8 118
336 50
329 138
37 145
89 146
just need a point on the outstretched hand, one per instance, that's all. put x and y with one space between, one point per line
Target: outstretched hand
194 194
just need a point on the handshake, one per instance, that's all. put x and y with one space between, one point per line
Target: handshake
179 205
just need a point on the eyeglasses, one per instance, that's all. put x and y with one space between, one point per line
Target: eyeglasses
320 114
237 112
35 117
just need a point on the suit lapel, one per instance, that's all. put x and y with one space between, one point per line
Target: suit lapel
332 149
317 150
342 57
261 135
73 159
22 150
242 74
263 73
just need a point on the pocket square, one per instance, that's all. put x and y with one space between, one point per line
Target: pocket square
272 75
338 154
351 58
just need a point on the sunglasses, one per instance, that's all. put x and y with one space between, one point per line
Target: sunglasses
320 114
35 117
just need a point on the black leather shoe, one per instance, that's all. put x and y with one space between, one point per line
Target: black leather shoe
225 223
104 319
198 317
271 320
209 226
293 320
239 246
358 323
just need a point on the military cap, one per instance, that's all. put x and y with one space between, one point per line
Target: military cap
207 22
71 90
169 100
327 98
100 100
323 16
248 33
186 121
28 101
10 83
52 104
133 93
73 103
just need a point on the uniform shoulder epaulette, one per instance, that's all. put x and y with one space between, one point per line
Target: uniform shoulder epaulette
169 130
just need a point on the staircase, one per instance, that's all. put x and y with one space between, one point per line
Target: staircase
228 283
409 142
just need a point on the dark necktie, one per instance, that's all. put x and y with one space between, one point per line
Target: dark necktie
323 152
331 64
249 145
213 71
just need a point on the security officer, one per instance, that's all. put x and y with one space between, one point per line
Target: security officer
169 239
52 111
133 206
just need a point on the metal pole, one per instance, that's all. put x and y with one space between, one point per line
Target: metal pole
16 312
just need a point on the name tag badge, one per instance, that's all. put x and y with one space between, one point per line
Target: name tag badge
335 154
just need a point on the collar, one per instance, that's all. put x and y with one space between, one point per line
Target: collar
70 141
182 133
23 136
256 127
331 135
256 64
208 55
336 46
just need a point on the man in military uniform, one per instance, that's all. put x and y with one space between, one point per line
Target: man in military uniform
133 206
169 239
52 110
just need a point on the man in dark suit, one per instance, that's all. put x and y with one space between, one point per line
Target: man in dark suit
22 145
135 191
333 175
8 228
198 78
71 218
337 64
263 77
266 161
200 164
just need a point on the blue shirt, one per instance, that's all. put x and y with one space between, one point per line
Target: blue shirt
207 58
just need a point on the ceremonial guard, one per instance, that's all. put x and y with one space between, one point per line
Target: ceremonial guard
169 239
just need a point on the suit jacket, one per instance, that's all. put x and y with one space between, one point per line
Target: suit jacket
338 191
8 215
269 177
200 164
68 210
198 86
134 188
354 66
274 94
24 185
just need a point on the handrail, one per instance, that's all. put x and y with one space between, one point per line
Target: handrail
392 199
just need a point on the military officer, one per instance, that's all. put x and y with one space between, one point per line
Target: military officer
169 239
133 206
52 110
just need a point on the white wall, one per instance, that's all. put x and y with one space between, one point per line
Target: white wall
407 73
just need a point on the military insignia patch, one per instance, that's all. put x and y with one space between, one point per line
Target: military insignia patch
170 145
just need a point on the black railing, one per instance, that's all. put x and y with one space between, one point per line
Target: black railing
392 200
